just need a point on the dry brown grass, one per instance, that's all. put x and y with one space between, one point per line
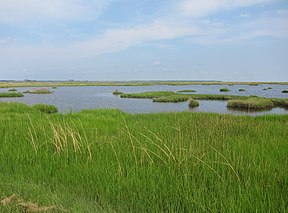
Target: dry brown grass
8 200
26 206
32 207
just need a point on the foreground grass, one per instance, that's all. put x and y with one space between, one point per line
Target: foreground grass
108 161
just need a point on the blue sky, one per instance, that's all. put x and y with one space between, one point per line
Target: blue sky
229 40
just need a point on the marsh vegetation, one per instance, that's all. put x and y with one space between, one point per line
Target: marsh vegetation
10 94
224 89
106 160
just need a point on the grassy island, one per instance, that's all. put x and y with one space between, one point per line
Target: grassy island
10 94
224 89
248 102
40 91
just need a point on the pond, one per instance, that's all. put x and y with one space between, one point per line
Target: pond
72 99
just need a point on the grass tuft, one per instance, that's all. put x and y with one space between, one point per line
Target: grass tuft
284 91
224 89
116 92
12 90
193 103
45 108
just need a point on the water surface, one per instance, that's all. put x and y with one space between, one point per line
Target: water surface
71 99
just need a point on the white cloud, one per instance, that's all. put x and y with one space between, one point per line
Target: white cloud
197 8
272 27
120 39
157 63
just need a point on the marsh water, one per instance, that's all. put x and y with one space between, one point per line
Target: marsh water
73 99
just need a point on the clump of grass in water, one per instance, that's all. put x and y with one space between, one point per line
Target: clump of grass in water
241 90
116 92
251 103
193 103
12 90
284 91
41 91
187 90
224 89
45 108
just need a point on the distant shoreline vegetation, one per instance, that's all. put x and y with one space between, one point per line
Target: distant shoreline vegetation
31 83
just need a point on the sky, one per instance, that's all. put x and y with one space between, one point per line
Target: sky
124 40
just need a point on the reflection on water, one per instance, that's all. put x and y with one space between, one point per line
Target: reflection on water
91 97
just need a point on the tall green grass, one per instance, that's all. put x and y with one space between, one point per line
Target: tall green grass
10 94
46 108
109 161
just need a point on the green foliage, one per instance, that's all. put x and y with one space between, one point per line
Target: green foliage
248 102
116 92
224 89
187 90
41 91
10 94
251 103
154 94
193 103
12 90
241 90
171 98
49 109
108 161
284 91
